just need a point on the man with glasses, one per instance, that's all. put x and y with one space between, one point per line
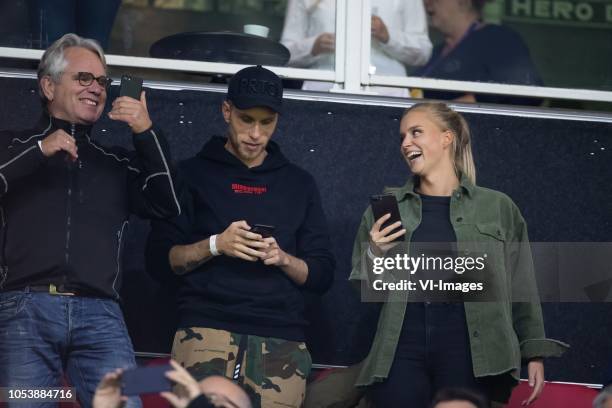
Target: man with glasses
65 202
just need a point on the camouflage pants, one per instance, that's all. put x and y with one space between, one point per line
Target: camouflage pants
273 371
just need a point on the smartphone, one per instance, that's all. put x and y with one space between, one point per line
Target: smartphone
265 231
131 86
146 380
386 204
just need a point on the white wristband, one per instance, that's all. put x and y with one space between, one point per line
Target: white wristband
212 245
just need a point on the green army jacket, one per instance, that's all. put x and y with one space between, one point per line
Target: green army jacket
502 332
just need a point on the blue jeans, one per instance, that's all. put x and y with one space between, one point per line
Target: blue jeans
43 336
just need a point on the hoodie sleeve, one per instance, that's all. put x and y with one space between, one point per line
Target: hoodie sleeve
314 245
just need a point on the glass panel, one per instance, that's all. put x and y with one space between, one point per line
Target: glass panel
399 39
132 27
309 34
570 40
556 43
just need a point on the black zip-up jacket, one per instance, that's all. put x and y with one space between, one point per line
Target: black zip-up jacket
62 222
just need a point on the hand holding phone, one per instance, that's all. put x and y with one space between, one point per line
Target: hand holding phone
131 105
240 241
387 204
131 86
146 380
266 231
108 391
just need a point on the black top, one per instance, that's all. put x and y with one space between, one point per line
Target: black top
230 293
434 237
435 223
64 222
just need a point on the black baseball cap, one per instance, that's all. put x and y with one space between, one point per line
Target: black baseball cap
254 87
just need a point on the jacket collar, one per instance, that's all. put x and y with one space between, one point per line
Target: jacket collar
73 129
465 184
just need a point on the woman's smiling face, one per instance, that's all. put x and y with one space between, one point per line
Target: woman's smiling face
423 144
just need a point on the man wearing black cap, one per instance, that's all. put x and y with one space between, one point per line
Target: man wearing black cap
251 240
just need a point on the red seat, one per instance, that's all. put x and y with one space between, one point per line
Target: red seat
154 400
555 395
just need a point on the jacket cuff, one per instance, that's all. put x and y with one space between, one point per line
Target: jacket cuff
317 280
144 133
40 156
360 271
543 348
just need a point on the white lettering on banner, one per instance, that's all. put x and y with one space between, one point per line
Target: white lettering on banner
562 10
542 9
590 13
584 12
521 7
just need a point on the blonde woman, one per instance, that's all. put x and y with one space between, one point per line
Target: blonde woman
422 347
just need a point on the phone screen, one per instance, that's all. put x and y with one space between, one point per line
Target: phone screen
146 380
386 204
130 86
265 231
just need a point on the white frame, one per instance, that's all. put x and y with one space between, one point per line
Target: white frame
352 44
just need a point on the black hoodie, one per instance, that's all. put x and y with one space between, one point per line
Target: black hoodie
233 294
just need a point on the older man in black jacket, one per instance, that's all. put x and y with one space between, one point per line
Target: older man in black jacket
65 202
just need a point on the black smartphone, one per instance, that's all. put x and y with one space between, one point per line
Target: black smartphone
386 204
265 231
131 86
146 380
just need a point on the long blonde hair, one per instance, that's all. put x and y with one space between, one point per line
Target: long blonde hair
448 119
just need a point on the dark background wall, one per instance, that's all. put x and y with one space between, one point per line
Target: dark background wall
557 171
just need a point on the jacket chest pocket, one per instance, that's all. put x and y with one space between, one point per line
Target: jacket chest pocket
490 239
491 231
491 244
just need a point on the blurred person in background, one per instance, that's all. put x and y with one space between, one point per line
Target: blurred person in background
458 398
399 38
604 399
213 391
475 51
49 20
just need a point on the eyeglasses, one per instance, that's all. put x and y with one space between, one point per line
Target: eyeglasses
86 78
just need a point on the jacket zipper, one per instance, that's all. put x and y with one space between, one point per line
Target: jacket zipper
3 267
118 260
71 180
